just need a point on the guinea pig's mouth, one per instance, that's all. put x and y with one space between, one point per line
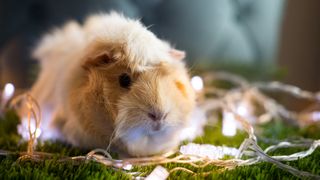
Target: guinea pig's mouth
156 128
149 139
151 129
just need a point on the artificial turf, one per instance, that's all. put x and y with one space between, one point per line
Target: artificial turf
10 168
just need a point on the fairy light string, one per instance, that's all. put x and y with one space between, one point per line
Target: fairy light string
249 152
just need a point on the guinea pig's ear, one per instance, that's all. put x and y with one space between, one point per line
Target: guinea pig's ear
177 54
98 60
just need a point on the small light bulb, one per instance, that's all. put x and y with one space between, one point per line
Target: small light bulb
229 126
197 83
23 129
208 151
316 116
158 173
242 110
127 167
8 92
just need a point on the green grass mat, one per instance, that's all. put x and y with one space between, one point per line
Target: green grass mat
10 168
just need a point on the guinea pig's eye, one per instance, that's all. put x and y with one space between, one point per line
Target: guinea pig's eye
125 80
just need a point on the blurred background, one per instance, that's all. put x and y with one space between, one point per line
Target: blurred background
265 39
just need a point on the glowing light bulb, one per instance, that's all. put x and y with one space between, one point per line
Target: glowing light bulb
208 151
127 167
23 129
229 125
197 83
316 116
8 91
158 173
245 110
242 110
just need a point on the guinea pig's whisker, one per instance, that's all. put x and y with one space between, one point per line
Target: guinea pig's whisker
110 103
111 140
132 108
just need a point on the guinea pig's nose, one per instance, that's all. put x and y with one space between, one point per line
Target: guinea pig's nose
156 115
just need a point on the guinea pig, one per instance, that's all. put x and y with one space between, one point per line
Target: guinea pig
112 82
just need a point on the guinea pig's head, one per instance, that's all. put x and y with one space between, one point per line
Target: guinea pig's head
149 106
154 110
